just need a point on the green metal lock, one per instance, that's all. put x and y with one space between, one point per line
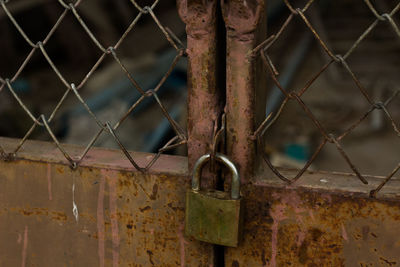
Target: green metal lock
214 216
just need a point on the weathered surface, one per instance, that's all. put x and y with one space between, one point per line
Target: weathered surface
214 217
137 219
124 217
326 220
205 104
245 25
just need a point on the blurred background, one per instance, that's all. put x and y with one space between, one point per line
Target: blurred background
333 98
145 52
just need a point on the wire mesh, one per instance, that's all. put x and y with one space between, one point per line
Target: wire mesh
104 127
263 51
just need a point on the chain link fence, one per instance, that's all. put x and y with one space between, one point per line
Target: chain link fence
264 52
46 121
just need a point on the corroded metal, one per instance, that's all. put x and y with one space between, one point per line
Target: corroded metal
214 216
126 217
324 220
104 213
242 20
204 97
198 167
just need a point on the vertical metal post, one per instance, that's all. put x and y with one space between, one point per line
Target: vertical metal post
245 99
205 104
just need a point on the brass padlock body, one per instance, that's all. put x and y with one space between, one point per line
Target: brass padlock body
213 217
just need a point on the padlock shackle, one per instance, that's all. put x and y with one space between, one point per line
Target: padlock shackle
198 167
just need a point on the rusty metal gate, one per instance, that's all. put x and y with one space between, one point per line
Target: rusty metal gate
69 205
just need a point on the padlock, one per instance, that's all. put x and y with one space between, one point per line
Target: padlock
214 216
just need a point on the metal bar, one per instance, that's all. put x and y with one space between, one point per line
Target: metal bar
205 104
245 103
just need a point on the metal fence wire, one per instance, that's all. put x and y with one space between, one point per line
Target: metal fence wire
104 127
263 51
180 138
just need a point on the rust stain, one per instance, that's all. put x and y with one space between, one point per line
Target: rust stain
112 231
124 183
343 228
153 195
54 215
60 170
90 217
145 208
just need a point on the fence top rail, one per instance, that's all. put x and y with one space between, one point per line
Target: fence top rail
97 157
331 183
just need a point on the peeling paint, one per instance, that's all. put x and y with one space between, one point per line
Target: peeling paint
75 211
49 181
100 221
300 238
182 243
278 215
114 218
344 233
25 247
300 227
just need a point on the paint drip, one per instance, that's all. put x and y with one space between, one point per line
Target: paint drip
74 206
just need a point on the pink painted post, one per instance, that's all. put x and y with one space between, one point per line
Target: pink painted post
245 23
205 104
